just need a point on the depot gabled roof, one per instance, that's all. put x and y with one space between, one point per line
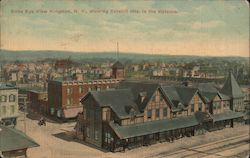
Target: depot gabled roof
179 96
121 101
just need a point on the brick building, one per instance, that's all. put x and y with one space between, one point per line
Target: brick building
64 95
144 113
118 70
38 100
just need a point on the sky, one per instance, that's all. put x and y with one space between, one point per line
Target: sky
183 27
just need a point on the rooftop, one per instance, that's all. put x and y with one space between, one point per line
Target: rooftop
118 65
7 86
231 88
13 139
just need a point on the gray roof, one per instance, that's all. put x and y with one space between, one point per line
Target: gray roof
13 139
118 65
7 86
120 100
146 128
126 97
137 88
206 87
227 115
231 88
151 127
179 96
209 91
208 96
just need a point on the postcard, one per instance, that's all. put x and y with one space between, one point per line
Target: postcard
114 78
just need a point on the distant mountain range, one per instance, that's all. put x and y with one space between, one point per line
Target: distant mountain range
7 55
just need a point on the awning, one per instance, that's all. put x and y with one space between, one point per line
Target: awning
146 128
227 116
72 112
13 139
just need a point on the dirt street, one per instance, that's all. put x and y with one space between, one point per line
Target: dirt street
56 141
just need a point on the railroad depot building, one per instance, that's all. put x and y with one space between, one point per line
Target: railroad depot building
64 95
144 113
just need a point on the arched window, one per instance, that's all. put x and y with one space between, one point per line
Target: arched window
12 98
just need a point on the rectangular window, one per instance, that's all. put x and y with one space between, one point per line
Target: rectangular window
149 114
69 90
68 101
81 128
157 113
13 109
3 98
106 137
80 89
109 138
104 115
200 106
219 105
87 132
84 114
165 112
96 135
4 110
214 105
97 114
192 107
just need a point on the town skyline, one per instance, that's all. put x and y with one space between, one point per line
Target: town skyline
217 28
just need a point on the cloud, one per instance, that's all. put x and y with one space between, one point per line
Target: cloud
206 25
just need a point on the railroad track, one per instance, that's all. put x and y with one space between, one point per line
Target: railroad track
213 149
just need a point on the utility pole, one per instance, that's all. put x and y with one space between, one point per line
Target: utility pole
24 119
117 51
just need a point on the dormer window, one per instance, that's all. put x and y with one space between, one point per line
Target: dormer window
142 96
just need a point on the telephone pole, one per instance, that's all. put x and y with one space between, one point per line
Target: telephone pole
117 51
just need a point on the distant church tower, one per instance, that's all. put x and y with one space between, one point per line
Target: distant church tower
118 67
